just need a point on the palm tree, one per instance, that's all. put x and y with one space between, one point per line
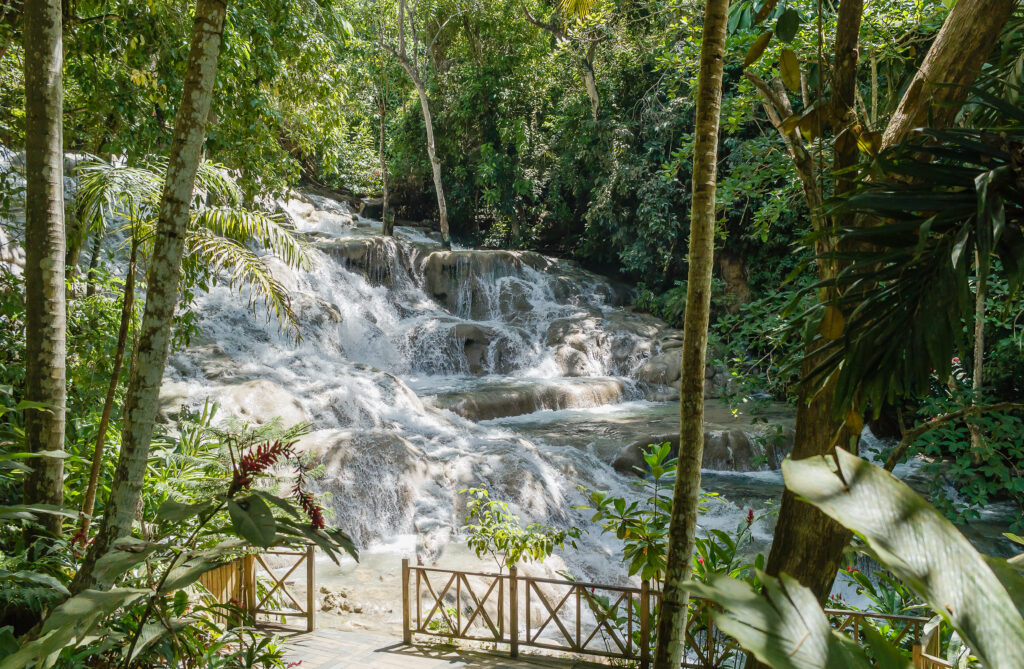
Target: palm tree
218 239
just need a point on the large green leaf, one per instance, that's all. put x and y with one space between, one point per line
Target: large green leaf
253 520
788 25
783 626
187 573
125 554
921 547
175 512
70 624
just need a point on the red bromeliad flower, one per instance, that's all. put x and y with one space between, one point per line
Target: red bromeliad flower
308 502
257 461
750 517
701 561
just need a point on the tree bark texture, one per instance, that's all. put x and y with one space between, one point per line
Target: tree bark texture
141 402
952 63
45 317
686 494
387 224
127 304
808 545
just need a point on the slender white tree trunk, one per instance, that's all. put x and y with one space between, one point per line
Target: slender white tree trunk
435 163
45 320
686 495
162 278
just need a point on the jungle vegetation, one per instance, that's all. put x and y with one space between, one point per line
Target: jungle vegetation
826 197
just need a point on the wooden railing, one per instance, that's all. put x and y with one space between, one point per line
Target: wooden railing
579 617
928 649
238 582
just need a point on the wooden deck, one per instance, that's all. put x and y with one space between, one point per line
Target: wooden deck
335 649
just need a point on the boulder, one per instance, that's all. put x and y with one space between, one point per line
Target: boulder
736 449
377 258
518 398
260 401
663 369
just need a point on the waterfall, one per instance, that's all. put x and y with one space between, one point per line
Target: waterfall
420 369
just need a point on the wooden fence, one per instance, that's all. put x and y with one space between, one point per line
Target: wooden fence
582 618
250 583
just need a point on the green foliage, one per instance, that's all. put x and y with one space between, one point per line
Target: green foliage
980 597
905 291
982 475
220 234
492 529
220 512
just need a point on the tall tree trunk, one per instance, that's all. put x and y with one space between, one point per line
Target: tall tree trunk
955 58
162 278
387 223
435 163
412 69
45 317
808 544
127 304
686 494
978 371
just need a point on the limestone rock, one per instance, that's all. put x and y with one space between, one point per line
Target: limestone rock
260 401
737 449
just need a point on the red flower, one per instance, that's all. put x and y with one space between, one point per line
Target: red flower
750 517
701 561
256 461
308 502
956 361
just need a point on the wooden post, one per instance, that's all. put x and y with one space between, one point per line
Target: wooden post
645 625
918 660
513 613
406 632
249 585
310 588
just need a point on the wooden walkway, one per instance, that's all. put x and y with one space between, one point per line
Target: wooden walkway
335 649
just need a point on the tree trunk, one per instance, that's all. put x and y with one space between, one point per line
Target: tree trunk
412 69
435 164
686 494
162 278
590 80
94 262
952 63
978 371
387 224
127 303
45 318
808 545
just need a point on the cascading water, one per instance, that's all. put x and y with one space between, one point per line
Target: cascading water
420 369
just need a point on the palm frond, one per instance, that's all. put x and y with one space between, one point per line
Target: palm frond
106 190
576 9
272 232
216 180
244 268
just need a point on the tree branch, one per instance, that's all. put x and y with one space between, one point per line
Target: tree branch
913 435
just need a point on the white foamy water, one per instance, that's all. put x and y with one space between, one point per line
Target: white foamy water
381 336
